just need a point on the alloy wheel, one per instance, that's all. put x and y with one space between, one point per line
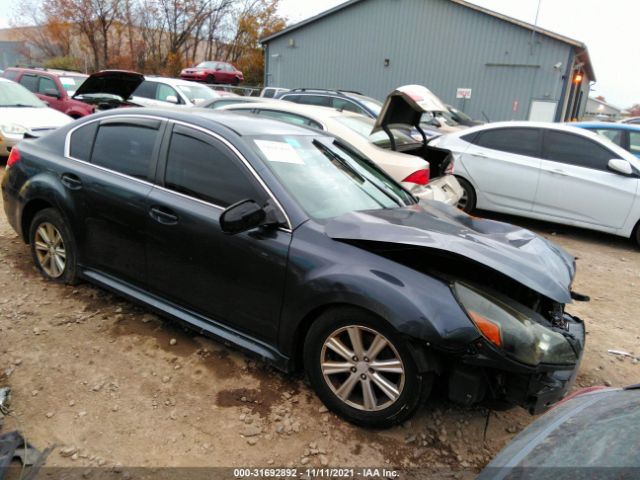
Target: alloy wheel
362 368
50 250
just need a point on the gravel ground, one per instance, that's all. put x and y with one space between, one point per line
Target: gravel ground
113 385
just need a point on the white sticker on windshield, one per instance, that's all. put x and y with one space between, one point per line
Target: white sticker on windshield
279 152
67 81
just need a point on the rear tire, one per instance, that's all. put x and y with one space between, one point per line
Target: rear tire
635 236
468 201
379 391
53 247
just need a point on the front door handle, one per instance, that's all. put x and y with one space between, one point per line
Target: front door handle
71 181
558 171
479 154
163 215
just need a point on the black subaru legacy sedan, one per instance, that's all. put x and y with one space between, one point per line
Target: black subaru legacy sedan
290 244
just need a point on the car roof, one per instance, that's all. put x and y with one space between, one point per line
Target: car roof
211 119
609 126
57 73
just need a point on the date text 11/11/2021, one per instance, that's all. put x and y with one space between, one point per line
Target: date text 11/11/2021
315 473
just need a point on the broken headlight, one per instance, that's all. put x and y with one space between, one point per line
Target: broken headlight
517 330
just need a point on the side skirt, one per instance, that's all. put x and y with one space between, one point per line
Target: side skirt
195 321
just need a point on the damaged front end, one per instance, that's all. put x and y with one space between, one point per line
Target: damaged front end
512 285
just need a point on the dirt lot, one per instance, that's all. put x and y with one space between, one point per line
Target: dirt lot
113 385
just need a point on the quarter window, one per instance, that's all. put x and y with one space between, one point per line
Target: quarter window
82 141
208 170
30 82
575 150
521 141
125 148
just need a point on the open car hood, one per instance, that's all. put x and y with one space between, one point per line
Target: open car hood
110 82
405 105
515 252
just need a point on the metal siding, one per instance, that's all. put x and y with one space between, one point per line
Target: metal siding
436 43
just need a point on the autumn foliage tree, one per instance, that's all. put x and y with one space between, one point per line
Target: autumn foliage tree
151 36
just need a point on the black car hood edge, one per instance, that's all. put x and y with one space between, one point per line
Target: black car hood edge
112 82
513 251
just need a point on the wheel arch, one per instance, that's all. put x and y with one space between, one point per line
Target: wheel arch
30 210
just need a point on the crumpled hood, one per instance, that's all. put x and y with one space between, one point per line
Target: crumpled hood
513 251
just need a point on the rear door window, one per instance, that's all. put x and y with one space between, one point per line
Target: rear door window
30 82
574 149
126 147
204 168
521 141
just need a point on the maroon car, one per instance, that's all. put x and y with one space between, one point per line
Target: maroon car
56 87
213 72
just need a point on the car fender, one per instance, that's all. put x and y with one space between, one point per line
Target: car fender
45 187
416 305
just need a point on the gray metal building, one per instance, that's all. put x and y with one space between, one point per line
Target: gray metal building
514 70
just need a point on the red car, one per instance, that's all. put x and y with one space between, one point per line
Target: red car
56 87
213 72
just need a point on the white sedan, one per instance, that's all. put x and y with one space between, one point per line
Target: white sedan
549 172
21 112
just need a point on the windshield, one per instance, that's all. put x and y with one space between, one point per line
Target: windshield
197 93
363 126
325 178
14 95
71 82
372 104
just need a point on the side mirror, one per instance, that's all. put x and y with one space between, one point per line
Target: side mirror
52 92
620 166
172 99
242 216
218 69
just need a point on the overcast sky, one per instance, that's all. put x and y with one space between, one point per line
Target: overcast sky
608 27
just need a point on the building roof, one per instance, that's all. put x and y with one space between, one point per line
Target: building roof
581 49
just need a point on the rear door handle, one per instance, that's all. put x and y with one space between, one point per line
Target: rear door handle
71 181
558 171
163 215
479 154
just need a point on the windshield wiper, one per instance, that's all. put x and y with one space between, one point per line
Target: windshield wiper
348 168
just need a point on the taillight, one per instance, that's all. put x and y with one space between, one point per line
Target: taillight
14 157
420 177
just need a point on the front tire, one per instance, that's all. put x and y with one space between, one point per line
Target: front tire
53 247
635 236
211 79
362 369
467 202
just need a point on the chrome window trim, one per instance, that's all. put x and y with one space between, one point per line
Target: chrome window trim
67 154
